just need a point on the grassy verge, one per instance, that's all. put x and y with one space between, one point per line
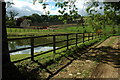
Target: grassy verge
50 54
52 61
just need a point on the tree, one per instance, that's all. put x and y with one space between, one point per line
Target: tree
10 18
68 7
110 16
12 14
9 70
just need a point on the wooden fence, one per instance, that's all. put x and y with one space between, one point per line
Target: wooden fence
84 36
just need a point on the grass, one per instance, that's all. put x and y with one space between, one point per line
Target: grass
72 29
20 56
112 40
43 32
60 30
47 55
51 57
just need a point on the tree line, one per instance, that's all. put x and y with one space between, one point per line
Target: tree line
36 18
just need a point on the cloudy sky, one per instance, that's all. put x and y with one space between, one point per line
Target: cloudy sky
26 7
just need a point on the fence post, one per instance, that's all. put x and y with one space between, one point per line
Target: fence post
92 35
88 36
67 42
83 37
32 49
76 39
54 44
95 35
98 35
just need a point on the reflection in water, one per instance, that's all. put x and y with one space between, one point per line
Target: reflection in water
28 51
15 45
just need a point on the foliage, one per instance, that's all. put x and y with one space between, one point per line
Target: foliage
10 23
10 18
111 15
65 7
68 9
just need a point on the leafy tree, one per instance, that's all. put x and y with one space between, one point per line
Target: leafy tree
68 7
110 16
65 6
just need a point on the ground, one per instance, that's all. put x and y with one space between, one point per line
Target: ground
109 65
100 62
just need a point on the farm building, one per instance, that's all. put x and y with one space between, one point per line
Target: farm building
25 23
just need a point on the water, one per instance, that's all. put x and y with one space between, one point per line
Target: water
28 51
17 44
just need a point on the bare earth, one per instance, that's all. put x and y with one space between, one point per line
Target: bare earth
102 61
109 68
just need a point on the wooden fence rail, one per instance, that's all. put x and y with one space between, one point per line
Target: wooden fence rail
85 37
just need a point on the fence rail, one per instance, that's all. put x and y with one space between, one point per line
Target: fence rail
83 36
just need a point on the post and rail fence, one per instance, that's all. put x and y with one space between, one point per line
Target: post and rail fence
84 37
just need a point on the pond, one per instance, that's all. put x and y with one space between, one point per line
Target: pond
17 44
28 51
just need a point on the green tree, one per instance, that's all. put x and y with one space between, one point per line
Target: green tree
110 16
68 7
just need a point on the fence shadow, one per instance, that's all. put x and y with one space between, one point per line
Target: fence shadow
104 54
70 58
84 53
11 72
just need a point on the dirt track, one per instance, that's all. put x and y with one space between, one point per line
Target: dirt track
110 63
102 61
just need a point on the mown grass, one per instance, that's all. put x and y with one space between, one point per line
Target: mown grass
61 30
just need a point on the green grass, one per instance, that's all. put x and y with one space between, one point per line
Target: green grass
50 55
112 40
64 29
45 32
60 30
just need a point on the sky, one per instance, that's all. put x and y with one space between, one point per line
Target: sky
26 7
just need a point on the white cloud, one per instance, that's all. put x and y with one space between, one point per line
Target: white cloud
80 4
26 7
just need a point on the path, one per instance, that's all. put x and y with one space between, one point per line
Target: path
99 62
109 65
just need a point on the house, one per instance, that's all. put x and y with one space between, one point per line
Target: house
25 23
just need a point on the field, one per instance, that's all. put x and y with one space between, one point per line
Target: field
15 32
12 32
50 62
